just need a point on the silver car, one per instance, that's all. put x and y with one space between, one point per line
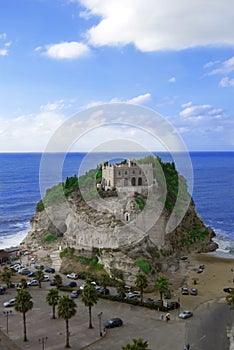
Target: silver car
186 314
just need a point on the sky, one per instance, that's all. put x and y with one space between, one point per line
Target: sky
59 58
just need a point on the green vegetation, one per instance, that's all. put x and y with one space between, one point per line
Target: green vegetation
141 283
49 237
23 304
66 310
230 299
52 299
143 265
89 298
138 344
91 262
194 235
67 253
166 172
161 285
140 200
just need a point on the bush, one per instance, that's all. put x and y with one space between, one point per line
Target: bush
143 265
49 237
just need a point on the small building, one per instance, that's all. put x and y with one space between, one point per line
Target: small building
126 174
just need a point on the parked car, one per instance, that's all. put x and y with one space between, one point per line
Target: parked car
24 271
33 283
31 274
102 290
46 278
52 283
186 314
2 290
71 284
39 267
184 291
74 294
50 270
9 303
228 289
132 295
167 295
73 276
193 291
113 322
84 284
173 305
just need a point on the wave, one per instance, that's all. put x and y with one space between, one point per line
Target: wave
12 240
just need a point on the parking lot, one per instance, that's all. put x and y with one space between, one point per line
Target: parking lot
138 322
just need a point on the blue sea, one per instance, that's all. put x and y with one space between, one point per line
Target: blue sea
213 190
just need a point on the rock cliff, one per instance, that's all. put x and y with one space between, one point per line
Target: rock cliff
122 247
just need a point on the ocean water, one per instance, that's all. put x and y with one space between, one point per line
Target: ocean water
213 190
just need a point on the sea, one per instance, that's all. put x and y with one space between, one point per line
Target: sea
21 175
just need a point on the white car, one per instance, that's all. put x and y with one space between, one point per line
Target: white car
46 278
186 314
33 283
73 276
9 303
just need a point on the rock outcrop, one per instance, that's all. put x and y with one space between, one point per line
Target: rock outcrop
102 226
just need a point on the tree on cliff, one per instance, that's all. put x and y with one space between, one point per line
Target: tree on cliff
141 283
161 285
89 298
23 303
66 310
52 299
138 344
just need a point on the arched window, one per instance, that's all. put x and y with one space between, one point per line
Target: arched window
133 181
140 181
127 216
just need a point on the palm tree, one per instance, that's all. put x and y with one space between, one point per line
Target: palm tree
89 298
138 344
39 276
230 299
66 310
121 289
141 283
23 283
52 299
6 276
161 285
104 280
23 303
58 280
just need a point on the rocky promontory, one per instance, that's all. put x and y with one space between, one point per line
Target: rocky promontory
125 228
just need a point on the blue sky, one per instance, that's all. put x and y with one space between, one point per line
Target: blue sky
59 57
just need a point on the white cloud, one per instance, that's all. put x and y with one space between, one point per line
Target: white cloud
227 82
211 63
28 132
224 68
161 24
199 112
65 50
55 106
3 36
172 80
3 52
141 99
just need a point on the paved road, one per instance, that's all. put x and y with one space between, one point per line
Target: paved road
208 328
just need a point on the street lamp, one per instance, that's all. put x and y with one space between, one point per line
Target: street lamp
100 323
7 313
42 342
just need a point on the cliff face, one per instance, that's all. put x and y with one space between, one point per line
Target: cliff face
120 243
